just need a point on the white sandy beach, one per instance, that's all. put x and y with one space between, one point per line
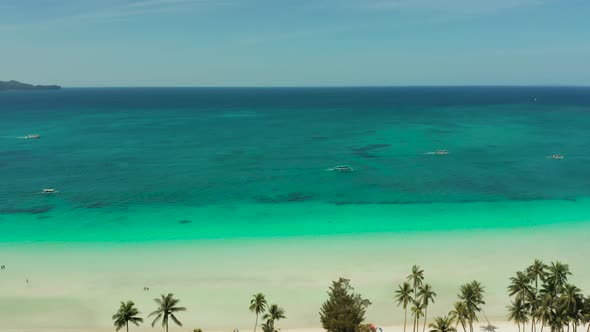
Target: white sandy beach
77 287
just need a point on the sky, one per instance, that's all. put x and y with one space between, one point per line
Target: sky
94 43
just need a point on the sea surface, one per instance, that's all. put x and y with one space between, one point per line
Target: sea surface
151 164
215 194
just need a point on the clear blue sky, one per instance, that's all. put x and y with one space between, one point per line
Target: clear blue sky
295 42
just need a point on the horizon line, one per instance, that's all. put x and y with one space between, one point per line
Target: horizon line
328 86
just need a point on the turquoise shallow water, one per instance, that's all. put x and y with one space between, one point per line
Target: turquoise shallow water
162 164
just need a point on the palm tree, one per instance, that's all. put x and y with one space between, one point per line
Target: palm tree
459 314
442 324
166 309
274 313
403 297
558 319
416 277
417 312
544 310
535 272
266 327
586 313
572 301
557 274
257 306
426 295
472 296
517 312
127 313
520 286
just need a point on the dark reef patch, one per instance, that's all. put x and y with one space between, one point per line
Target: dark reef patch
31 210
231 155
351 203
289 198
365 151
96 206
185 221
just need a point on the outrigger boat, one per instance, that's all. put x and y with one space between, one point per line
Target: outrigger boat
438 152
341 168
556 156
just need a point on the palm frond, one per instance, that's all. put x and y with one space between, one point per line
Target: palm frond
176 320
156 319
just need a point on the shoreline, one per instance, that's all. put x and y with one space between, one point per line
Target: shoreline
78 286
161 223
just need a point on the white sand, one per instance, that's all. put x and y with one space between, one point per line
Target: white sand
77 287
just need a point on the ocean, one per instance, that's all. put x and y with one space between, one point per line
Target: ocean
114 154
220 193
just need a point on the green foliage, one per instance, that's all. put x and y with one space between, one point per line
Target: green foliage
126 314
274 314
257 306
442 324
556 304
517 311
364 328
344 310
403 295
166 310
471 294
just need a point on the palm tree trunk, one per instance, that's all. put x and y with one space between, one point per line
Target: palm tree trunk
256 323
425 316
166 326
465 329
127 326
518 326
415 316
406 317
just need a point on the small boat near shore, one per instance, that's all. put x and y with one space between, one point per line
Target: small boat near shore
30 136
438 152
341 168
555 156
49 191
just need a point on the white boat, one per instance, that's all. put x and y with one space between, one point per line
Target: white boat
49 191
341 168
438 152
33 136
556 156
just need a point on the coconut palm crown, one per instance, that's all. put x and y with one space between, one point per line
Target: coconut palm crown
127 313
257 306
166 310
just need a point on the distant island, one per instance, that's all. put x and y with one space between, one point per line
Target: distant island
15 85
